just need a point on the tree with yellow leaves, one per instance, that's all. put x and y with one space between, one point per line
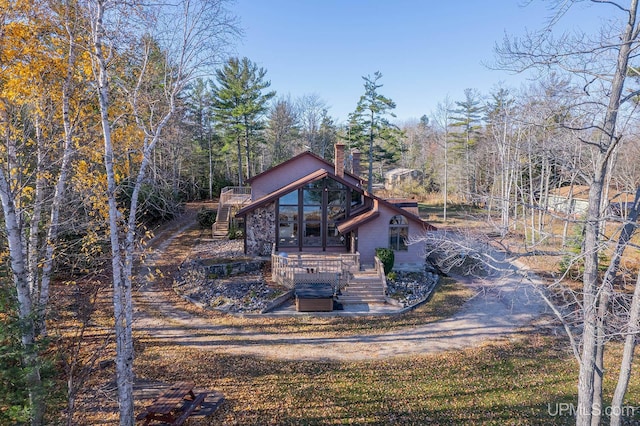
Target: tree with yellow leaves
40 70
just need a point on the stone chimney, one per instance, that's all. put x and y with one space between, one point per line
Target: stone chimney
339 160
355 165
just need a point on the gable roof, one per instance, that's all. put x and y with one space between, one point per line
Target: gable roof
359 218
367 213
406 213
373 211
295 158
578 192
311 177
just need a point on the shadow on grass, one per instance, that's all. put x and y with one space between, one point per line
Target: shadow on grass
511 383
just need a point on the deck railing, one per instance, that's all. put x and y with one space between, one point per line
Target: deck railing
287 269
236 195
230 196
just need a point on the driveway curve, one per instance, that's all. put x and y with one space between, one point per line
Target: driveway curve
504 303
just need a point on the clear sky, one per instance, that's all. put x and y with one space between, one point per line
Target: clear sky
426 50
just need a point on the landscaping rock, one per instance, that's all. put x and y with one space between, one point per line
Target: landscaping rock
246 291
409 288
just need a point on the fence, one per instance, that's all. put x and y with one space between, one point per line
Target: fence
291 269
380 269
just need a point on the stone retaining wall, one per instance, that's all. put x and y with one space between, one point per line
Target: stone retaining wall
220 270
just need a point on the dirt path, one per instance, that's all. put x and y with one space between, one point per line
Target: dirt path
504 305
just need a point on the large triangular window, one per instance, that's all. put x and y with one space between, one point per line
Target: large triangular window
308 216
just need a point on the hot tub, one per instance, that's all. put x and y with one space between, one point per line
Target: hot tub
316 297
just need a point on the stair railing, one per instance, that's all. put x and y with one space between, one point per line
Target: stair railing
379 266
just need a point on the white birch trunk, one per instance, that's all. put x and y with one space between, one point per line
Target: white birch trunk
121 286
25 303
633 324
630 343
58 196
587 367
34 227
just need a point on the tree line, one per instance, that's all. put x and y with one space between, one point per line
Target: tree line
112 115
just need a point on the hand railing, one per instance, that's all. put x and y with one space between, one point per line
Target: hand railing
379 266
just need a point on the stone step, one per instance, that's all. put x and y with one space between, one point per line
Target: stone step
365 283
357 300
362 293
364 286
374 290
372 273
357 277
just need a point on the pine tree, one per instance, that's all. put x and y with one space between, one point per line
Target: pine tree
468 118
239 105
370 124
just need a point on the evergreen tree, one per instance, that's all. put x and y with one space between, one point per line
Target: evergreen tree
282 130
198 119
239 105
370 124
467 117
327 136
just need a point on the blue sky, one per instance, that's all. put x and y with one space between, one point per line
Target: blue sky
426 50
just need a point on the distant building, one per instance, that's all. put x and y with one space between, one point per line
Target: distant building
569 199
397 178
574 200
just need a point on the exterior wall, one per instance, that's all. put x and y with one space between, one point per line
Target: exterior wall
568 206
399 177
281 176
376 234
260 230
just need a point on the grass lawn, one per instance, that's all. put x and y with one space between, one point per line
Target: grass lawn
521 381
514 383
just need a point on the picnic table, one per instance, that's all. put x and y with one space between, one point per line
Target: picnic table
174 405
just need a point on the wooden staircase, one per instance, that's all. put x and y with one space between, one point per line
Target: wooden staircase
230 197
364 287
221 226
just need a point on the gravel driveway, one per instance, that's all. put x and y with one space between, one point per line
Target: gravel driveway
505 304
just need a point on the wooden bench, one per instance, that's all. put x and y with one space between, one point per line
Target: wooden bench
174 405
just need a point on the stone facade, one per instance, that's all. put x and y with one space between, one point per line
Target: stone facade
260 228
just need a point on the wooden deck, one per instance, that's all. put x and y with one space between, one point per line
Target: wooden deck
287 269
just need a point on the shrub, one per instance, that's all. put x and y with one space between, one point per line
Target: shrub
235 233
206 217
572 263
156 204
387 258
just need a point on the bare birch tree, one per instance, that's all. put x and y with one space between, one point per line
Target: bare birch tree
443 121
184 38
601 66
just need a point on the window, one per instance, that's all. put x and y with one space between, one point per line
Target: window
398 233
308 216
288 220
312 223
